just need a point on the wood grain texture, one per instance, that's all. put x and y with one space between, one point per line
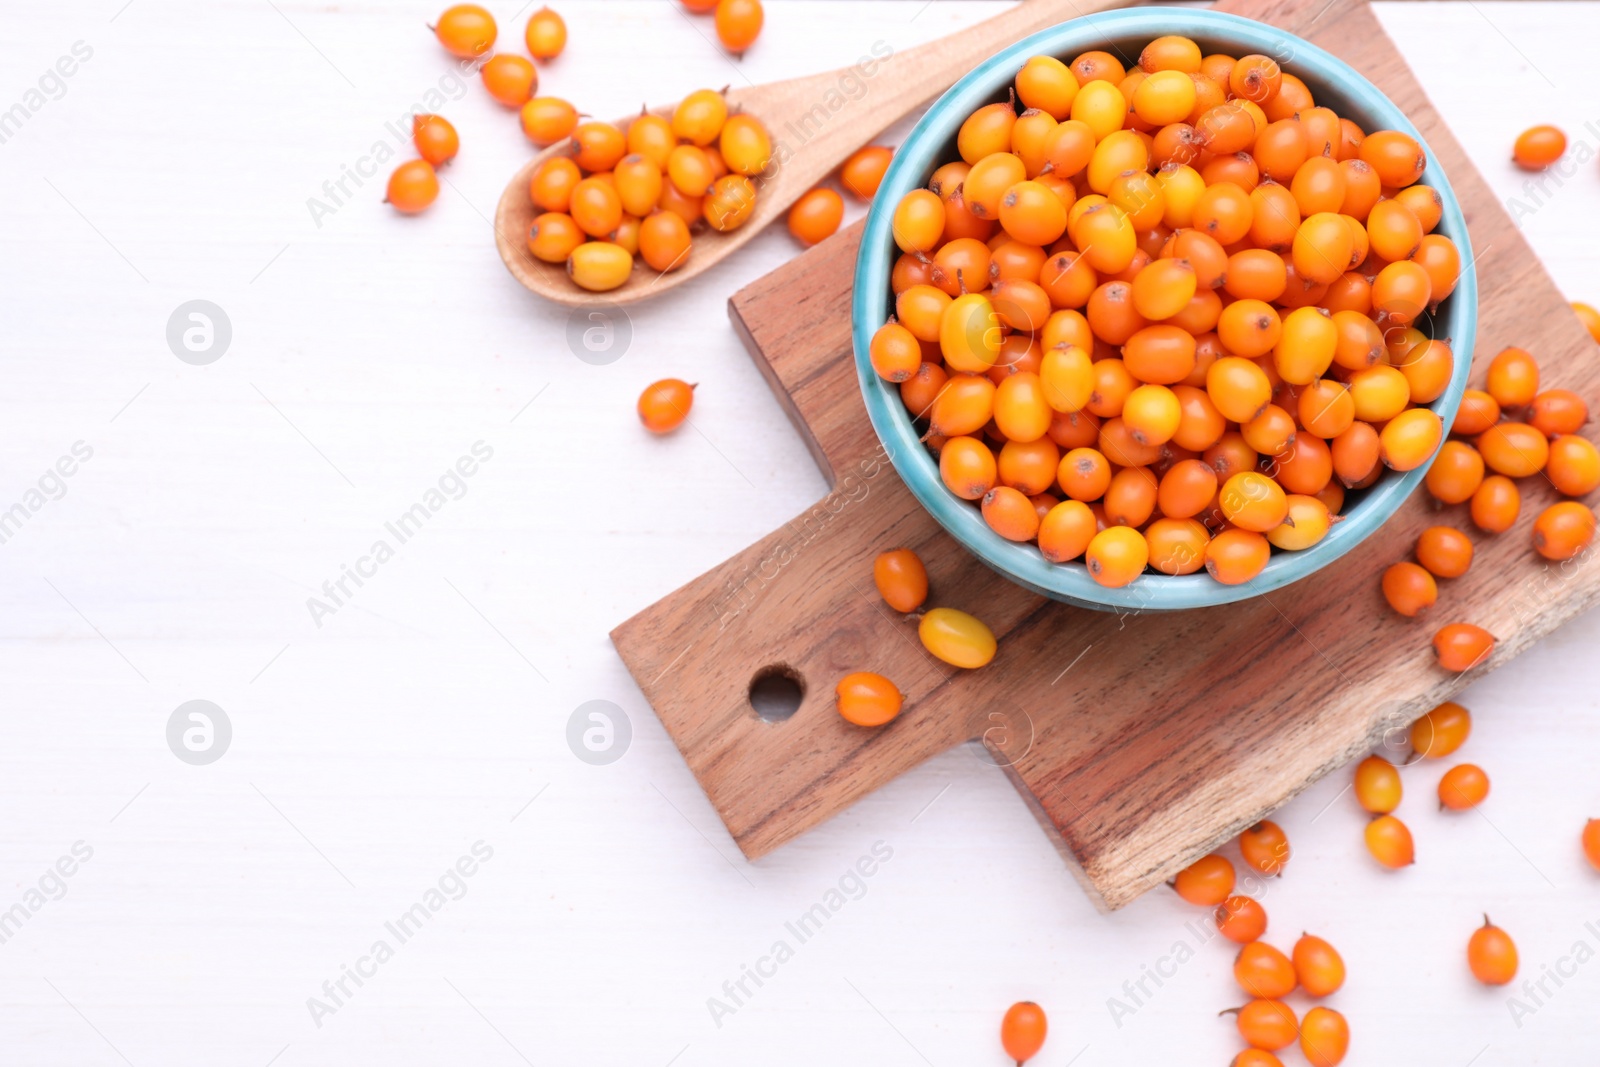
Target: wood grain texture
816 122
1141 741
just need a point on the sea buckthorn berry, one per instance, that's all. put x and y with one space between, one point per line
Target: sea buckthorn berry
1573 466
1208 881
688 208
921 309
1177 546
1325 408
1589 317
970 333
1410 438
1084 474
1513 378
1396 157
816 216
699 117
664 405
1514 449
1171 52
1538 146
1256 78
1261 970
1131 498
690 171
1224 129
412 187
1477 413
1324 1037
745 145
1116 556
1446 552
1591 842
964 406
901 579
553 236
967 467
867 699
638 184
1253 501
894 352
1032 214
1046 83
510 79
1030 466
1360 343
1428 368
1241 919
1318 966
1409 589
1010 514
595 206
1393 232
1065 532
738 23
1236 556
1163 288
436 140
1267 1024
1496 504
1305 345
1461 646
729 202
651 136
548 119
1491 954
1152 413
1377 785
1389 842
863 172
664 241
1020 409
1270 433
1249 328
1380 393
1563 530
1554 412
1265 847
1223 212
919 391
546 34
1187 488
600 146
956 638
918 221
1463 786
466 30
1023 1030
986 131
1441 731
1322 247
1164 97
1238 388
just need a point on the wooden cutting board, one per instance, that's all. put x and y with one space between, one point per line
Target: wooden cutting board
1140 741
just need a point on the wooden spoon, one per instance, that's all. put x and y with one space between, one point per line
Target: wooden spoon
808 137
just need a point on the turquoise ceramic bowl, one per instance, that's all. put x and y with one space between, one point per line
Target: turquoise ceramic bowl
932 143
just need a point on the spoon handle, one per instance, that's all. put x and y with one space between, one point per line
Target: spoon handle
819 120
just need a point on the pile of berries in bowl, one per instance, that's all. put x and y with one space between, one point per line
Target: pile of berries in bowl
1163 309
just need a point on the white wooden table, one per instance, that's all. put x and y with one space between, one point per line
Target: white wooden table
429 712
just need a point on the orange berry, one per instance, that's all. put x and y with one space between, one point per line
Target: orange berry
466 30
867 699
1496 504
1445 551
1513 378
1208 881
1461 646
664 405
1491 954
1538 146
1441 731
816 216
1261 970
1554 412
956 638
412 186
548 119
600 146
1010 514
738 23
901 579
1573 466
664 241
546 34
1390 843
1267 1024
1066 530
1591 842
1377 785
1318 966
1324 1037
436 140
1409 589
510 79
967 467
1563 530
1023 1030
1589 317
1463 786
1116 556
553 237
1514 449
1265 847
863 172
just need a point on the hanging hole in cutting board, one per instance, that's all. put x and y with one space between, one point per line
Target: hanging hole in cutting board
776 692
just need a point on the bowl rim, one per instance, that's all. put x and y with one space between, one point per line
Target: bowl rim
915 159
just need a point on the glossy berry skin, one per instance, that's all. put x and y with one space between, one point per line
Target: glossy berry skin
1241 919
1263 971
901 579
546 34
1445 551
1461 646
1377 785
816 216
548 119
1265 847
1324 1037
1409 589
1441 731
436 140
1023 1030
1318 966
738 23
1492 955
412 187
1389 841
1268 1024
957 638
1255 1057
510 79
1563 530
863 172
1207 881
466 30
1538 146
599 266
867 699
1463 786
664 405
